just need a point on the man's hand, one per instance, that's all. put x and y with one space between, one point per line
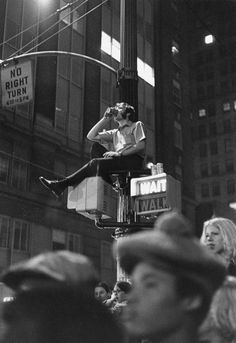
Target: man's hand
111 154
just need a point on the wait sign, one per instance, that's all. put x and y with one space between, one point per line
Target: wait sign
17 85
155 193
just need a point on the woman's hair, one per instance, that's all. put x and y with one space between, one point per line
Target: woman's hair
124 286
103 285
228 232
221 319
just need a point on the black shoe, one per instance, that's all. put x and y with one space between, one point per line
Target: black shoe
54 186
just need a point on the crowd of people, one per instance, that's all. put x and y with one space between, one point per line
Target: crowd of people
180 289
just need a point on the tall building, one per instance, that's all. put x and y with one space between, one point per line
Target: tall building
210 45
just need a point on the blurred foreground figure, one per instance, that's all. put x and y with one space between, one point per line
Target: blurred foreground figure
220 324
54 302
173 280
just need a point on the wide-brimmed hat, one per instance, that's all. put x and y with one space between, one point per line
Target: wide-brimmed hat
63 267
172 246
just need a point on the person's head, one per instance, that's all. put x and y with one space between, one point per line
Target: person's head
54 301
58 314
125 112
221 320
102 291
121 289
58 267
219 235
173 278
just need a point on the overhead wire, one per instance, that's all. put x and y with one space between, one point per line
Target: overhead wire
40 22
48 29
64 28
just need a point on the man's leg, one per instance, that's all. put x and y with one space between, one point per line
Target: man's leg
98 166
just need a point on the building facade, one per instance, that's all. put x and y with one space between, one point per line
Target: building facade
212 78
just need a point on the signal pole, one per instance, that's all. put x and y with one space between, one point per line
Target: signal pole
128 92
127 74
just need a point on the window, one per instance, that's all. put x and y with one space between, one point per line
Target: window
21 235
209 39
210 91
19 174
200 92
215 188
211 108
226 106
204 170
58 240
176 92
228 145
227 126
4 232
212 129
202 112
74 242
203 150
224 85
215 168
230 186
235 105
4 168
229 165
178 135
202 131
213 148
205 190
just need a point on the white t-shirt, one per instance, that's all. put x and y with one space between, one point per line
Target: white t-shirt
125 136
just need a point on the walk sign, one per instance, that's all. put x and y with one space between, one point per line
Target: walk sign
16 83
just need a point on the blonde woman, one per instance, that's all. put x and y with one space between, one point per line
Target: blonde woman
220 325
219 235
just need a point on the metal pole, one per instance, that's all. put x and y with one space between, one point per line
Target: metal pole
128 75
128 92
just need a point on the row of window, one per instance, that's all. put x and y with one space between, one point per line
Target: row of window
211 90
210 109
215 188
214 168
207 74
204 131
212 148
15 233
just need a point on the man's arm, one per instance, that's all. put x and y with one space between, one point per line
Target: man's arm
93 133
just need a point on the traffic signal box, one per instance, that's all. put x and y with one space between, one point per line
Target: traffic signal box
93 197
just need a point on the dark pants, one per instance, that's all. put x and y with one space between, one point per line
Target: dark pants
100 166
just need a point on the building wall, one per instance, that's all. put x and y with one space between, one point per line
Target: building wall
212 94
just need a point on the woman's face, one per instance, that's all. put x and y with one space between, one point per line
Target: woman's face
213 239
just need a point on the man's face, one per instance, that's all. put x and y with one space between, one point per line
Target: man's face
213 239
120 107
154 308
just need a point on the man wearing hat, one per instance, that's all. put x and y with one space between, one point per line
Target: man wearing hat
54 302
173 279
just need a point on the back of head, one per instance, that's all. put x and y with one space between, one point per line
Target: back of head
59 267
221 320
59 315
124 286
